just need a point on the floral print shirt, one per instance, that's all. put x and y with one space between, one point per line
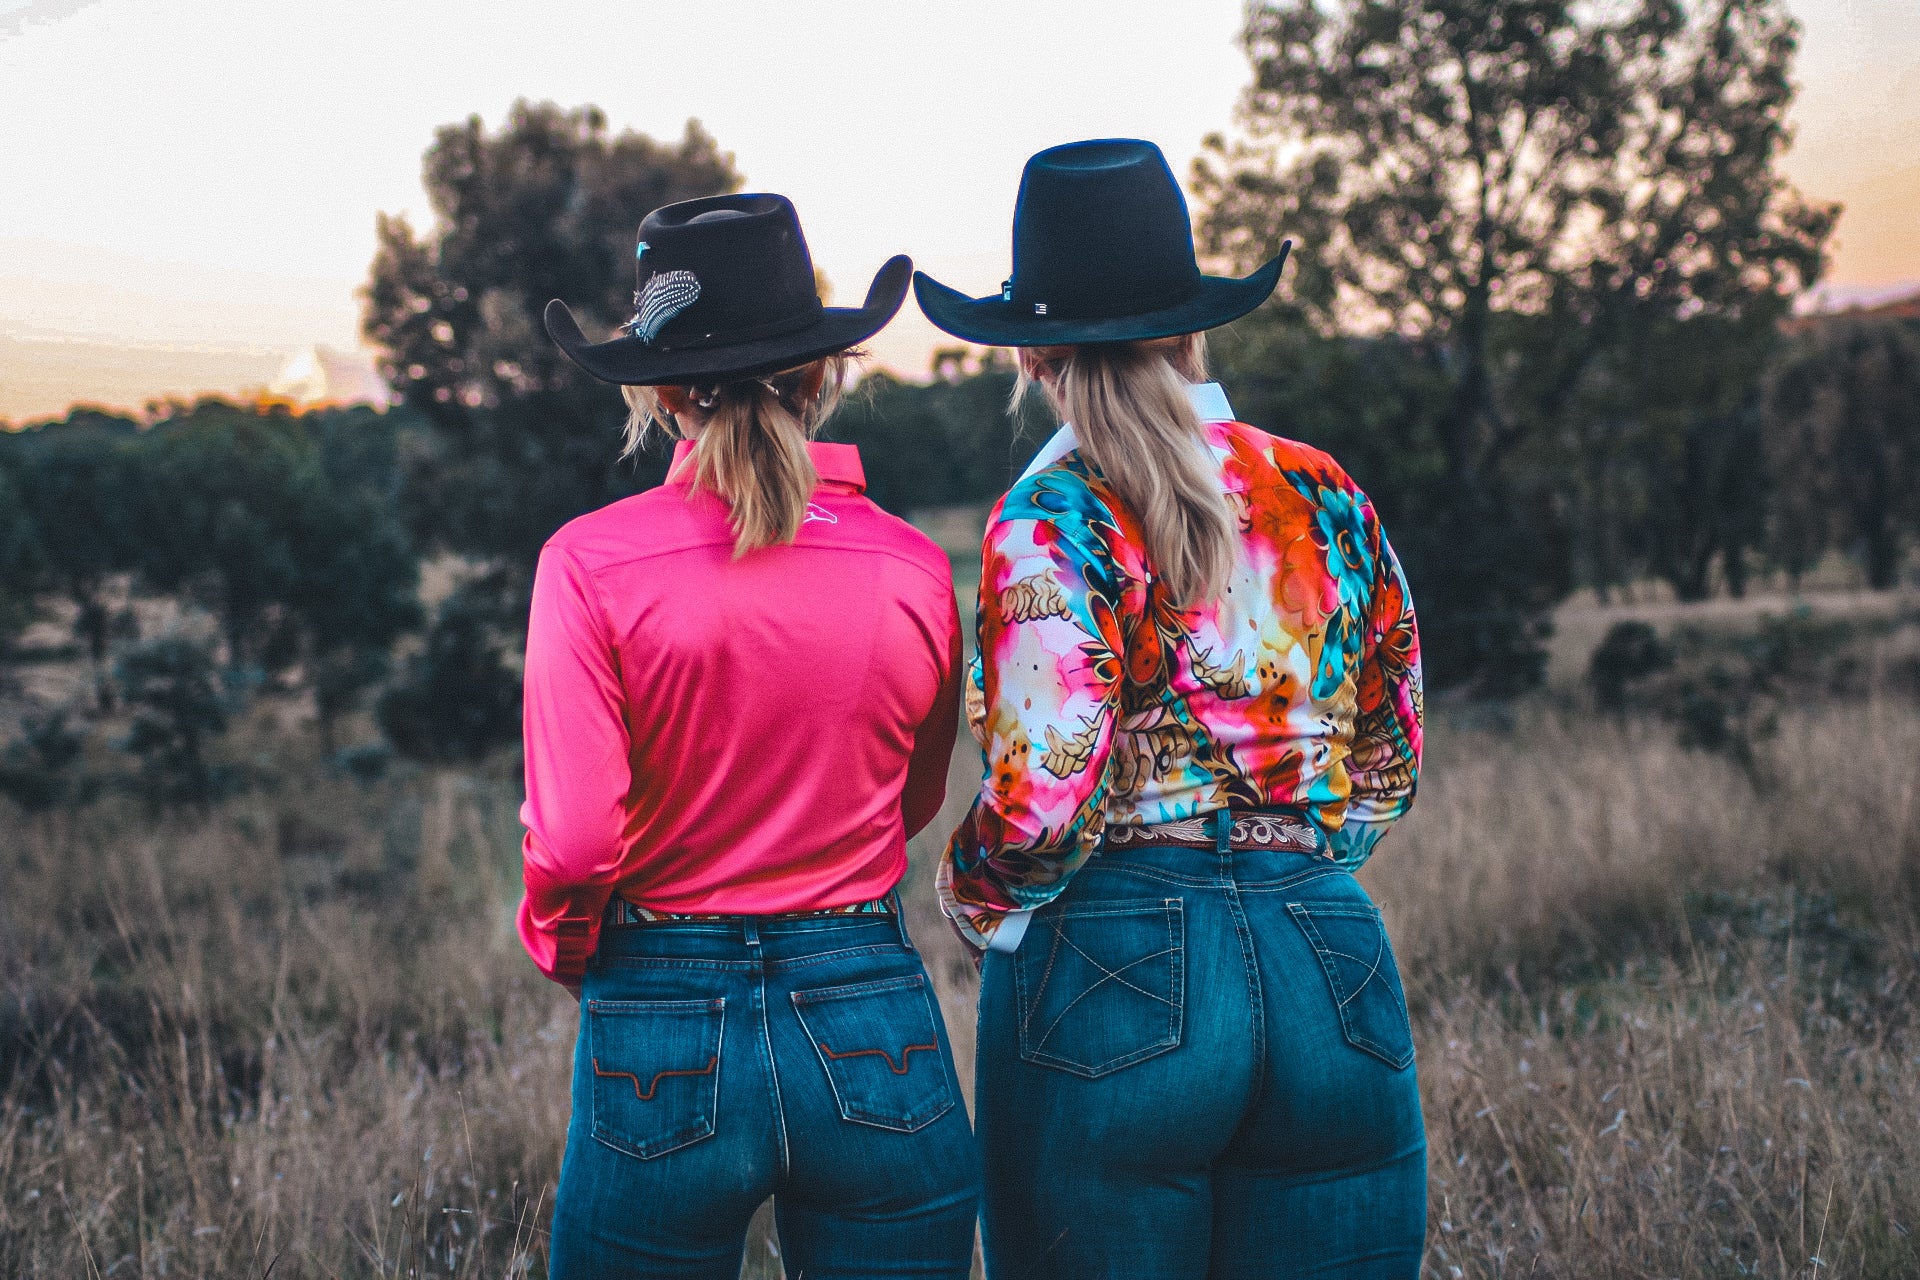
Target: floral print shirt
1097 701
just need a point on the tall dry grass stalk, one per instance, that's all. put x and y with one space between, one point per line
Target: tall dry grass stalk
1664 1018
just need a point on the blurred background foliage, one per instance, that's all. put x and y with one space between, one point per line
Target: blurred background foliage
1539 306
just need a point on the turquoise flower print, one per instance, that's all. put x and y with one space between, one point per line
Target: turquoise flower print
1340 528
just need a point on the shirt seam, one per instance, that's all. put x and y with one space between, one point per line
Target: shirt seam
623 562
603 616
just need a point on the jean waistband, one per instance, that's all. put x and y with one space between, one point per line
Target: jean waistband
777 936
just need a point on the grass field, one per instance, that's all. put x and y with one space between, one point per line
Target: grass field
1664 1010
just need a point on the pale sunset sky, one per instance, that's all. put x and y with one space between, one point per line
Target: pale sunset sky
188 187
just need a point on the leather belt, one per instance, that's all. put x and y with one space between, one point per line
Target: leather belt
622 912
1249 830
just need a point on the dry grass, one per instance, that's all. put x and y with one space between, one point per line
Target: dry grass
1665 1021
277 1035
1664 1018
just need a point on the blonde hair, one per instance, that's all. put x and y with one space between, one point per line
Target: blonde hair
1130 411
751 446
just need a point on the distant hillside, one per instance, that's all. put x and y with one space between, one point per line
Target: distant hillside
38 375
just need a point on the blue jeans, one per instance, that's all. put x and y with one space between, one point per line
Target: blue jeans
1199 1064
720 1063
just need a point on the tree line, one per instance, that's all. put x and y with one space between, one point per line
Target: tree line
1540 307
276 537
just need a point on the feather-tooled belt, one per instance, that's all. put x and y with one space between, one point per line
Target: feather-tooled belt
1246 830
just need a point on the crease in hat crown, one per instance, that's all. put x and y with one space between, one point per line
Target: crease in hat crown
725 286
1102 252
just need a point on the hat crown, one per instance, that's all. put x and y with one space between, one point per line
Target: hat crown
1101 230
749 257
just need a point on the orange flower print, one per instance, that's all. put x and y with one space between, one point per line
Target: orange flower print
1107 703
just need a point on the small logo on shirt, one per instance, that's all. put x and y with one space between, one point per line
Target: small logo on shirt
820 513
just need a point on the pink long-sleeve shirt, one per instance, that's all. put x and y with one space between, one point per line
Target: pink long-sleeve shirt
742 736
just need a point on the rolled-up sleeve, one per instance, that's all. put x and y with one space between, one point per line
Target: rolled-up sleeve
578 768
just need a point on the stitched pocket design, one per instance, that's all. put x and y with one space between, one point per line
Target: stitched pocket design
1352 945
1101 987
656 1072
880 1048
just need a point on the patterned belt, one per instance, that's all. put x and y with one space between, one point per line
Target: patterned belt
1249 831
622 912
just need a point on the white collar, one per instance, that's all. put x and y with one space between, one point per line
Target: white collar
1209 401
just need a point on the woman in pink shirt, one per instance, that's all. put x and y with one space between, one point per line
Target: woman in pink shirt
741 697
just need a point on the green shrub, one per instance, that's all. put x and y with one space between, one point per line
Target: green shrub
39 770
456 699
1631 651
171 686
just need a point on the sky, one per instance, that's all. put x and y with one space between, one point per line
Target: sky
188 187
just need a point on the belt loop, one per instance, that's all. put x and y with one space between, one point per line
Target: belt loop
1223 831
900 919
752 928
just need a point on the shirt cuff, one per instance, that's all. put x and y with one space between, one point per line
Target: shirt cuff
1013 927
574 942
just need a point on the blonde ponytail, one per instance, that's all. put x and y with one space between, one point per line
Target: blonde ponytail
751 447
1130 411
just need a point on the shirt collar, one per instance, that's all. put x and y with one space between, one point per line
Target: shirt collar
838 465
1209 401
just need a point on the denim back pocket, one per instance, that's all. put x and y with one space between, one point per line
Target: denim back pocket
1101 987
1351 941
881 1051
656 1072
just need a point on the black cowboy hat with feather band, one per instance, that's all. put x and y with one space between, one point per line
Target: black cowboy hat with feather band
725 290
1102 252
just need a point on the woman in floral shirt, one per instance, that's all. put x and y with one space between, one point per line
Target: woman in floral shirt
1198 695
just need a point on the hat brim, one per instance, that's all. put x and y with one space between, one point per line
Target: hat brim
996 322
631 361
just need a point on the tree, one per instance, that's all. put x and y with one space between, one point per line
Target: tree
1518 190
20 558
82 491
291 535
456 699
229 491
179 709
1842 426
1681 398
359 588
522 441
357 592
39 769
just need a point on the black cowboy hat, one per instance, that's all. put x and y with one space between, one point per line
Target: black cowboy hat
1102 252
726 290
